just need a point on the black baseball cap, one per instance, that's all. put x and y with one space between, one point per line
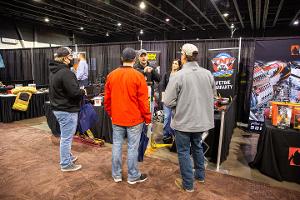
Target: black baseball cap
128 54
63 52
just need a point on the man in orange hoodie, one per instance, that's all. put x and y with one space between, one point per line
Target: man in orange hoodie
126 102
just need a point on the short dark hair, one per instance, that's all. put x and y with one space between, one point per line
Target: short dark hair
127 60
193 57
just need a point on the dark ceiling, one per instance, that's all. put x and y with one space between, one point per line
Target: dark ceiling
199 18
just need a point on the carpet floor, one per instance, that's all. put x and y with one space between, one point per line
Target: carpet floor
29 169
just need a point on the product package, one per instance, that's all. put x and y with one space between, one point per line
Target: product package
296 118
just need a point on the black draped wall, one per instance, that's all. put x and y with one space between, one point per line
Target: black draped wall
18 65
29 64
41 58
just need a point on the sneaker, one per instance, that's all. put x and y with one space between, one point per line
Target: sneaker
200 181
178 183
71 168
74 159
117 180
142 178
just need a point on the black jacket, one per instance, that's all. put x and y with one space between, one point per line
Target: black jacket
165 81
151 77
64 91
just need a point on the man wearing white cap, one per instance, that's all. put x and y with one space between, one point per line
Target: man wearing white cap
190 95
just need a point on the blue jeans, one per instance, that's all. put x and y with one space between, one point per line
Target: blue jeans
184 142
68 124
168 131
84 82
133 136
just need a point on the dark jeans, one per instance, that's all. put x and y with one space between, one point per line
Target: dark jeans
84 82
168 131
185 142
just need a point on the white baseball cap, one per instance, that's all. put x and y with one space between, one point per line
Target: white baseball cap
189 49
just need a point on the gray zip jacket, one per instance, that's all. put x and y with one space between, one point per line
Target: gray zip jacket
190 95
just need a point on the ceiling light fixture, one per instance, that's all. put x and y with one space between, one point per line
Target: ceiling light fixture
81 28
107 34
183 28
119 24
141 32
167 19
142 5
197 38
296 22
232 26
225 14
46 19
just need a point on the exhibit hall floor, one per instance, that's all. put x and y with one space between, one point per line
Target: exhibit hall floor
29 169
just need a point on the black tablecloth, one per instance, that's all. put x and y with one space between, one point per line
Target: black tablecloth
35 109
273 148
101 130
213 138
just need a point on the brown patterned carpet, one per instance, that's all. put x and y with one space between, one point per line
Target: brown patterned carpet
29 170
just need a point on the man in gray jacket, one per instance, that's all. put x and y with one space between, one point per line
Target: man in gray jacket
190 94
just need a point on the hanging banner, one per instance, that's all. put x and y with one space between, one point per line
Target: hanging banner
153 59
276 77
223 66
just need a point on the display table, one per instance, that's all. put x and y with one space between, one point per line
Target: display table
273 149
35 109
213 138
101 130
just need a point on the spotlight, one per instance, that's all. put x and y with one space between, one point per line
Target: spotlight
142 5
296 22
225 14
167 19
183 28
107 34
232 26
46 19
119 24
197 38
141 32
81 28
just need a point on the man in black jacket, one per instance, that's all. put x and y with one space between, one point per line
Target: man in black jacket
65 96
148 71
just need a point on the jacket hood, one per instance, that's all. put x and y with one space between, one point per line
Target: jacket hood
55 66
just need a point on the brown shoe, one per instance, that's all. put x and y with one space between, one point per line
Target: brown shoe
178 183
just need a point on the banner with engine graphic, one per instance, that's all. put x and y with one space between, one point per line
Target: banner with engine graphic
276 77
223 66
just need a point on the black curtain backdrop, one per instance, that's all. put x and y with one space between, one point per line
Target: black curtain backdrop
29 64
18 65
41 58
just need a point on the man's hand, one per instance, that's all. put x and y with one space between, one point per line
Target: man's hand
148 69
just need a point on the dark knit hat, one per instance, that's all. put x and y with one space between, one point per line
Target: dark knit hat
128 54
63 52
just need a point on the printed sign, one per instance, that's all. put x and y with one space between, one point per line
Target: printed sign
223 66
